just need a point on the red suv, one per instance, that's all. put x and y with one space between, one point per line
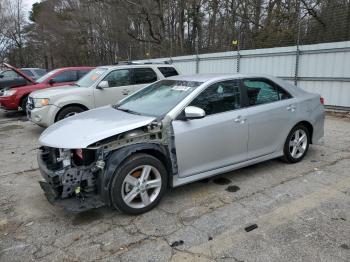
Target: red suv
16 98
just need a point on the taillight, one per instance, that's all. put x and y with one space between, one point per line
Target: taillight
322 100
79 153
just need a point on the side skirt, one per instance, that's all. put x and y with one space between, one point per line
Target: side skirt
178 181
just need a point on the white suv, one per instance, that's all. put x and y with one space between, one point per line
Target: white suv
102 86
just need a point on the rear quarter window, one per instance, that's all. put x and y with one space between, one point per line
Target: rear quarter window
168 71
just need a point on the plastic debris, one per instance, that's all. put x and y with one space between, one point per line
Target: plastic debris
251 227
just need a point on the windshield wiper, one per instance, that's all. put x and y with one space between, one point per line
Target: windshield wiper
126 110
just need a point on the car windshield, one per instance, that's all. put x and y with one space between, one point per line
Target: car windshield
27 72
90 78
159 98
46 76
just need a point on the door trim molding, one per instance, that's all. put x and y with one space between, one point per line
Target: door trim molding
178 181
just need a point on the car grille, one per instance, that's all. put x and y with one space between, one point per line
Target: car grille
30 103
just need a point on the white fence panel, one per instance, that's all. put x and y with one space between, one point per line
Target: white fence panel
186 67
222 65
321 68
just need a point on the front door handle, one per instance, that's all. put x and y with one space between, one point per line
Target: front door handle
291 108
239 120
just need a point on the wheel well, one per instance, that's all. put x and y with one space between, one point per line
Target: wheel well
157 154
309 127
21 100
78 105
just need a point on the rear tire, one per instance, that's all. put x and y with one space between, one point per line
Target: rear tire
138 184
297 144
69 111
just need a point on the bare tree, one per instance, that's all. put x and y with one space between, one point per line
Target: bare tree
95 32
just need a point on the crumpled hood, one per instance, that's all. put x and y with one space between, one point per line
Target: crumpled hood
55 91
84 129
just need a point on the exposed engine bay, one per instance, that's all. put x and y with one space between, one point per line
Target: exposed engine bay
75 177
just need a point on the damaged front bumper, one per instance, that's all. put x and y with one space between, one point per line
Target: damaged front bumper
74 205
73 187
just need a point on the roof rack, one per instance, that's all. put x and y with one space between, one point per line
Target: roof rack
124 63
139 63
150 63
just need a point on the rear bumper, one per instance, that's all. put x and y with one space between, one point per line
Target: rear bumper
318 125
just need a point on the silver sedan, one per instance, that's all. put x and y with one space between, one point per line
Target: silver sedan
174 132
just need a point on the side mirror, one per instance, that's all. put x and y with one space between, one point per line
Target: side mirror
102 85
51 81
193 112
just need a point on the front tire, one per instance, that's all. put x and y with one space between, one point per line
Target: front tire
297 144
24 103
138 184
69 111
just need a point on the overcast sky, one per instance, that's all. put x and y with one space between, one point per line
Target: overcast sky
27 4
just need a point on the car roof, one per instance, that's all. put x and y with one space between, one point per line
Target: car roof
208 77
109 67
31 68
204 78
74 68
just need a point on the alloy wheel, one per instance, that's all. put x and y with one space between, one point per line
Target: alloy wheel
298 143
141 186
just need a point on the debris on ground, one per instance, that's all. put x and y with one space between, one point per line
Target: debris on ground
177 243
251 227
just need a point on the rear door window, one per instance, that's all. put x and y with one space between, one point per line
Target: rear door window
168 71
261 91
144 75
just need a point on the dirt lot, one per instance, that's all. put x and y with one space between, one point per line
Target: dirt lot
302 211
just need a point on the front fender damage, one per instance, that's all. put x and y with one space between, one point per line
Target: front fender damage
79 179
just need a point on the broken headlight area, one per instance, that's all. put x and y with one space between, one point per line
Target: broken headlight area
72 177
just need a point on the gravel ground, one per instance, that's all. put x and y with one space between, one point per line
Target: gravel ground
302 211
